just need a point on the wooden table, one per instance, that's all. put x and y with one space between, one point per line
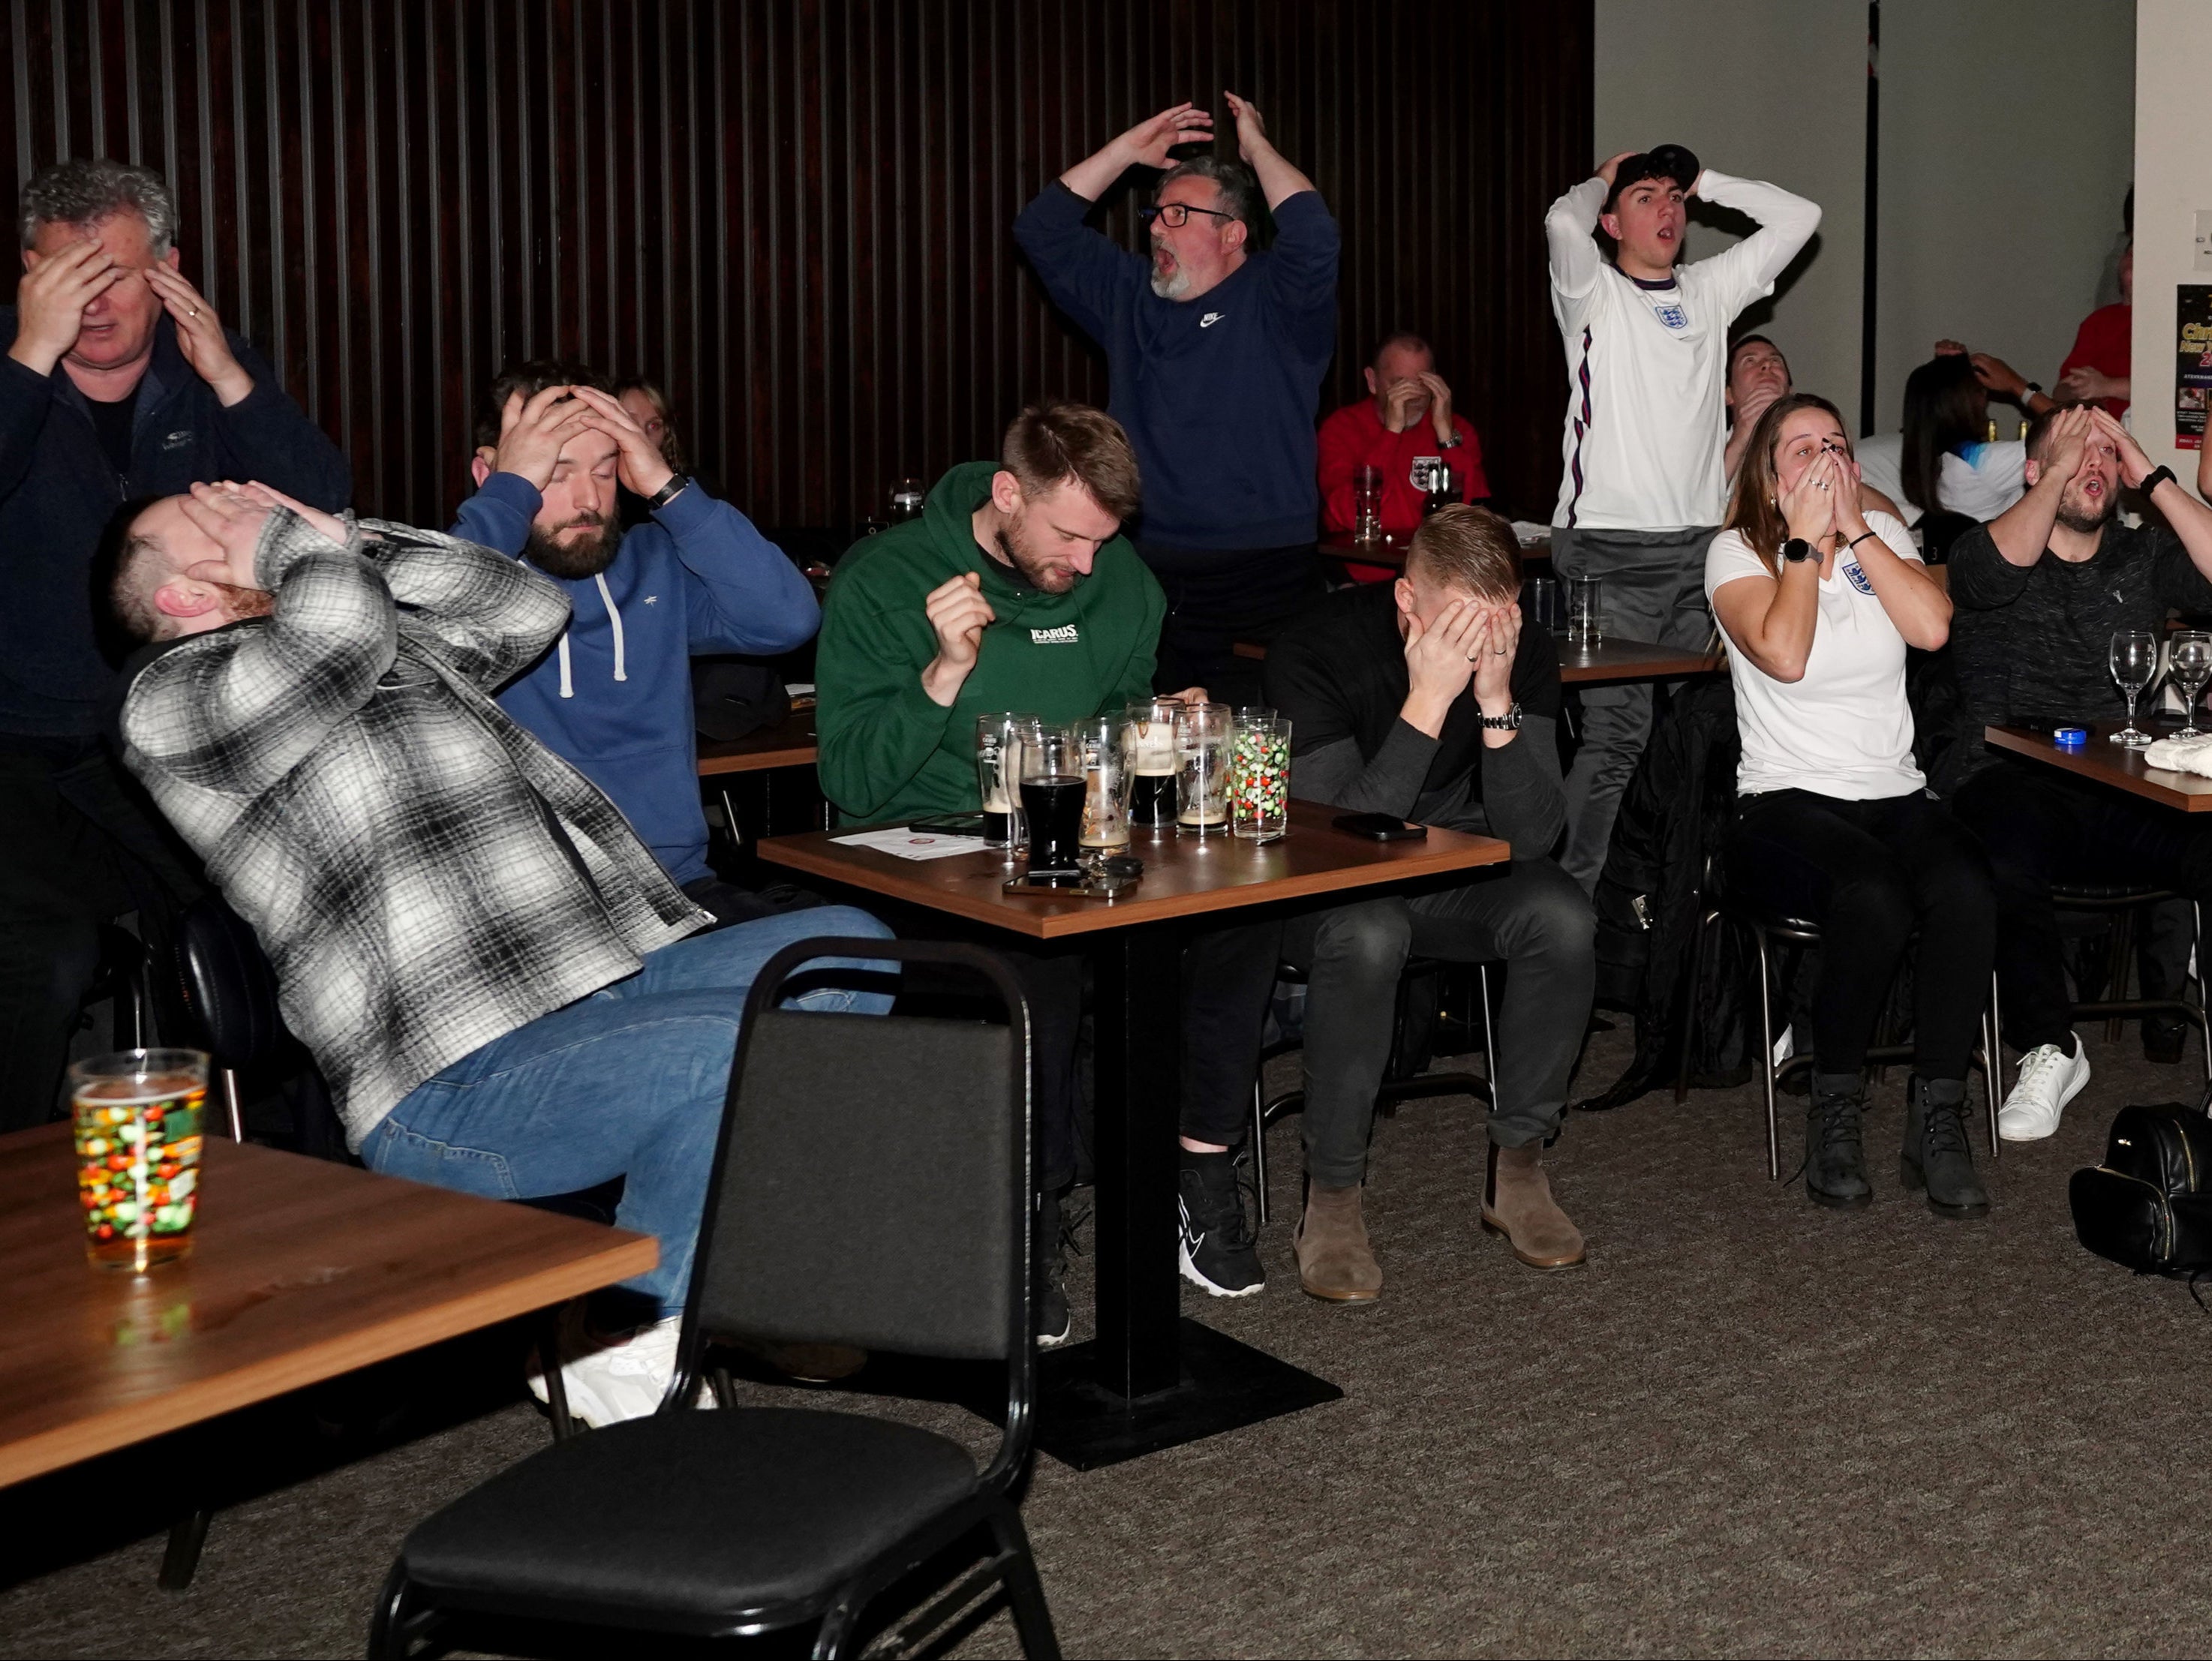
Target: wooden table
301 1270
1610 661
788 744
2110 764
1391 551
1150 1380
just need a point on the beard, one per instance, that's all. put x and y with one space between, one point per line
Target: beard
2075 514
1174 285
1047 576
585 556
240 604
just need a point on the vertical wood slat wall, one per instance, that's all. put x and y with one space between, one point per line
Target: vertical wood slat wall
794 213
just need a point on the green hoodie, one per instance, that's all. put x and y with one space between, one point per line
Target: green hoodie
888 752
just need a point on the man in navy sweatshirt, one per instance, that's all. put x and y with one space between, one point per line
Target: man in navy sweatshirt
1215 353
119 381
613 697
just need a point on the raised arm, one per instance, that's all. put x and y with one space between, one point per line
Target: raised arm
1786 224
2190 518
1144 145
1571 232
2022 531
1279 180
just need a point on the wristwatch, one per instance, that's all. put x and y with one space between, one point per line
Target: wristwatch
1509 722
2028 390
677 485
1796 550
1451 443
2158 475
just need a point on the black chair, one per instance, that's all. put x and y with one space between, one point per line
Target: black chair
1400 1083
872 1187
1938 531
1720 908
120 978
230 994
2122 901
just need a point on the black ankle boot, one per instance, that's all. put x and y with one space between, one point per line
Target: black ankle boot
1936 1155
1835 1162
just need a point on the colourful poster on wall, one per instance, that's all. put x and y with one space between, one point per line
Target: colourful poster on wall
2192 367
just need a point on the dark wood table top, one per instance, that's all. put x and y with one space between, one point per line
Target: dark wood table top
788 744
2111 764
301 1270
1184 876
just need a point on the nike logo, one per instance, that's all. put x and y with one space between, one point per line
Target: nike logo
1191 1237
1211 318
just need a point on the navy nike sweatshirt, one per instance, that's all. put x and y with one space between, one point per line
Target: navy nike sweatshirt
613 696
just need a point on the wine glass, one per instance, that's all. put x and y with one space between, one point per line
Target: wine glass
2135 661
2192 667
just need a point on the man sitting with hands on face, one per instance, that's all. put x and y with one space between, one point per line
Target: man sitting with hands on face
614 696
1428 700
1405 428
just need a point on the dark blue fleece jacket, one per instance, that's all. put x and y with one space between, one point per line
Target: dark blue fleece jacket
58 490
613 697
1219 394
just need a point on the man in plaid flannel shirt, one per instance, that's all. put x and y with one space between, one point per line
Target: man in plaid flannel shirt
491 969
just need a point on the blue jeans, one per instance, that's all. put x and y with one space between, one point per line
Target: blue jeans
627 1083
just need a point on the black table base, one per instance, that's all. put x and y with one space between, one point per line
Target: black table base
1224 1385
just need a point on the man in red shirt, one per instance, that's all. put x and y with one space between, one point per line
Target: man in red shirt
2098 368
1406 426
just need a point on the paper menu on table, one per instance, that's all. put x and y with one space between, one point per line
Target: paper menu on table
909 843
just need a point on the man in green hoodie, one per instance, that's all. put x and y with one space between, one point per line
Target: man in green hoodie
1015 589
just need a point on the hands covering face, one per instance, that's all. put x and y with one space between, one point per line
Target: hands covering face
1470 640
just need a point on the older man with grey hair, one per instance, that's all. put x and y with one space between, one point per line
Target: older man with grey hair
1215 351
120 382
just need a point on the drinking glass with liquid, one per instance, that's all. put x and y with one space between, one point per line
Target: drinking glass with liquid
1367 503
999 741
1259 778
138 1116
1203 735
1585 611
1052 799
1151 739
1105 782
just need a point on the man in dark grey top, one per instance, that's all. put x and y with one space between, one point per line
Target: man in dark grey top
1426 701
2037 595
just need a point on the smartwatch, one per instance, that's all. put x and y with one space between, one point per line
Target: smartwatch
1796 550
1509 722
2158 475
677 485
2029 393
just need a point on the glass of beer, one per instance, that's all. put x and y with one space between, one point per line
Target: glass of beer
1150 738
1367 504
1105 782
1052 798
1203 735
1259 779
999 774
138 1115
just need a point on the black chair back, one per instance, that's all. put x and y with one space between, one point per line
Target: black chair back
1939 530
873 1185
229 986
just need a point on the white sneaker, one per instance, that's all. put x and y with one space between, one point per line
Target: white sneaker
2049 1079
611 1379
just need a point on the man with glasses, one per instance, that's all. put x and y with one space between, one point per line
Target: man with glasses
1216 352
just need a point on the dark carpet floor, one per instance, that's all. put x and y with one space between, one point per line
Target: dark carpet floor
1749 1427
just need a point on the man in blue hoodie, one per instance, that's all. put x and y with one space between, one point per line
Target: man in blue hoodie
613 696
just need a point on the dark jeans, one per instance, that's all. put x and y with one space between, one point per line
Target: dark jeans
80 844
1870 873
1217 599
1228 978
1532 916
2040 828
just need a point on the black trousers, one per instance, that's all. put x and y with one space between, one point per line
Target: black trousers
80 843
2039 828
1870 873
1217 599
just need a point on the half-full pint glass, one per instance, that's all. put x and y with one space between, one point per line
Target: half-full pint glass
1150 738
138 1116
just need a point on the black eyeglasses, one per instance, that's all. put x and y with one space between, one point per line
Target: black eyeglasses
1177 214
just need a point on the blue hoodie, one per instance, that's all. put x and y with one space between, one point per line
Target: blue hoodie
613 697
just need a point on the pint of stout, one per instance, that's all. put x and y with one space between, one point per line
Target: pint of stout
1150 737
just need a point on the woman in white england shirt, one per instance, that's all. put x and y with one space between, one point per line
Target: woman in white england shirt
1834 822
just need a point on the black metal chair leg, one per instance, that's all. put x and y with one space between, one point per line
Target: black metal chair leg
180 1560
1766 1056
1024 1591
548 1324
1258 1134
387 1629
1706 923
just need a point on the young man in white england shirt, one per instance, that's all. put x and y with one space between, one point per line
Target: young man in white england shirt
1643 493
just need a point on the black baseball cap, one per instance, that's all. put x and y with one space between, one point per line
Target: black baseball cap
1668 161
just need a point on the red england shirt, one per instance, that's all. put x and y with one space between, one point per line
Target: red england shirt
1354 437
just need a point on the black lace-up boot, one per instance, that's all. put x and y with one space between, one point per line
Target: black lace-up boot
1936 1156
1835 1160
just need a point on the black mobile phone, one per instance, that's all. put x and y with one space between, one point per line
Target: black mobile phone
1380 827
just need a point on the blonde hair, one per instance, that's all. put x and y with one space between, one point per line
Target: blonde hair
1467 548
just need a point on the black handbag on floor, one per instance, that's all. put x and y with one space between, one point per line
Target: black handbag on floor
2149 1206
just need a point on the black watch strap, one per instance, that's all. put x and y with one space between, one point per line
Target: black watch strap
1796 550
2160 475
677 483
1509 722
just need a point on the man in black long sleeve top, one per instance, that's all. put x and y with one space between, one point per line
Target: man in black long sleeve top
2036 596
119 381
1427 700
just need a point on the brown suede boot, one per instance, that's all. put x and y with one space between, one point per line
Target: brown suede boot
1519 1205
1334 1260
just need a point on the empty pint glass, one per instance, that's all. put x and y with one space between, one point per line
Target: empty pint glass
1259 779
1585 611
1367 504
1105 781
1204 733
138 1116
1151 739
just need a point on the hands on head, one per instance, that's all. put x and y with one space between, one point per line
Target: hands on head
1469 641
1148 142
533 431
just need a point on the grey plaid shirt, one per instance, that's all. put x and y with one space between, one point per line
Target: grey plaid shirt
425 876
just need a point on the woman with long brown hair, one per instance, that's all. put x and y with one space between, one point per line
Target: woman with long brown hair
1834 822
